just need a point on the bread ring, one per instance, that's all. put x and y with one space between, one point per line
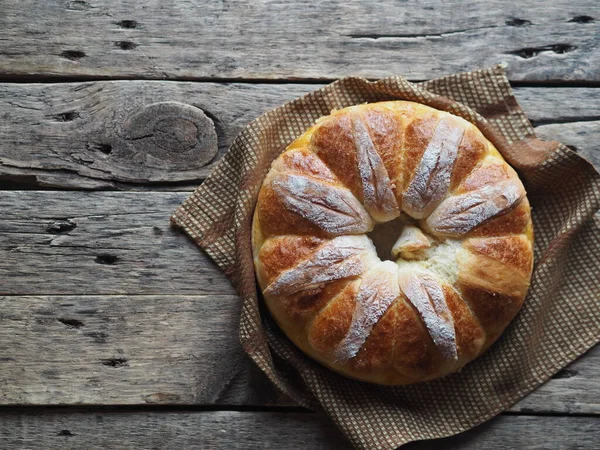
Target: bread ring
458 258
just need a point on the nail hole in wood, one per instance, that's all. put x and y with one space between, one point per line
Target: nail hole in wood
67 116
114 362
61 226
72 323
72 55
157 231
66 433
127 24
106 258
565 373
582 19
531 52
515 22
126 45
563 48
102 148
527 53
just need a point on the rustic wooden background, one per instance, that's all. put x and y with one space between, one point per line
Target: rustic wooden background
115 331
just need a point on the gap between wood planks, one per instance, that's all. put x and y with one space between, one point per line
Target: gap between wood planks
291 409
58 79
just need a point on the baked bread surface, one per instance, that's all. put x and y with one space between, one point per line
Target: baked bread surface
449 216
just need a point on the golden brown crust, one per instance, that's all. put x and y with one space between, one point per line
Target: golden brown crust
378 351
516 221
303 162
415 354
333 142
493 309
469 276
470 335
279 220
417 135
471 151
484 175
284 252
305 304
332 323
514 251
387 133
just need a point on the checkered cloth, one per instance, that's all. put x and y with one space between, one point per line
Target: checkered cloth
559 321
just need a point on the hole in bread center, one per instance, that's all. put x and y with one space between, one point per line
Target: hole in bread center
385 235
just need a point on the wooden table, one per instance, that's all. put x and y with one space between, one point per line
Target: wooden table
115 331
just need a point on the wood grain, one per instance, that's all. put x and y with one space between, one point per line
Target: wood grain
83 243
173 349
274 39
261 430
106 304
115 350
168 430
76 135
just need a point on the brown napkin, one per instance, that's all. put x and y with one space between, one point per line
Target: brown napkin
561 316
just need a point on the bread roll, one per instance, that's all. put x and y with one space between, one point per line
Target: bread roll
459 259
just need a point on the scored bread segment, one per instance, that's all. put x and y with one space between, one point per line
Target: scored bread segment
431 179
464 251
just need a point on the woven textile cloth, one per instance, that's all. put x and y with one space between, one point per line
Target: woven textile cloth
559 321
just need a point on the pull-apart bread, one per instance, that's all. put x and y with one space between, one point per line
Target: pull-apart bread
458 259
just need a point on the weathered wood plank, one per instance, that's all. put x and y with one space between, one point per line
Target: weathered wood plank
174 349
168 430
79 243
75 135
213 39
259 430
113 350
582 137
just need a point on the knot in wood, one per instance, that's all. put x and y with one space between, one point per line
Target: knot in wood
170 135
175 134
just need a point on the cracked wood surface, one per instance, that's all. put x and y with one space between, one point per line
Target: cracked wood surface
79 135
274 39
105 304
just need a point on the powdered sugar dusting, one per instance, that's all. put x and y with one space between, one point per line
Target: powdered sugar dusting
378 196
333 209
378 290
426 294
460 214
339 258
431 181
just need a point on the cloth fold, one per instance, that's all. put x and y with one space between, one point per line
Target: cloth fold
559 321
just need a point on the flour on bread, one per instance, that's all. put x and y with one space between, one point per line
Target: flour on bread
333 209
459 214
426 294
378 196
431 181
377 291
341 257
